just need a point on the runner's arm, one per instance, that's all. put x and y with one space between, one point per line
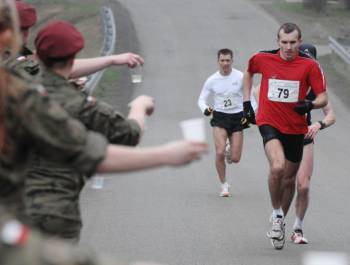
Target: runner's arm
320 101
247 85
329 118
203 97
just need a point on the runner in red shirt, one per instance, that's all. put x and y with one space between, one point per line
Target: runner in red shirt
286 77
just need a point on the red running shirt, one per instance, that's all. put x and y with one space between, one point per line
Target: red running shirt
283 84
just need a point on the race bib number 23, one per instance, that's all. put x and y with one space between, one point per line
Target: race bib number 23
283 90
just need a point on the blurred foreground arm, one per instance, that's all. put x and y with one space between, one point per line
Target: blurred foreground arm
123 158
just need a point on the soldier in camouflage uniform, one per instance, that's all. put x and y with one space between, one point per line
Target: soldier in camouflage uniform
24 60
20 245
82 67
29 121
52 189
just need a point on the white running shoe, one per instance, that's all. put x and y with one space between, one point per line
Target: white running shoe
277 233
228 153
298 237
277 229
225 190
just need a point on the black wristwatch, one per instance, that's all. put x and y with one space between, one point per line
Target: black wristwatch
323 125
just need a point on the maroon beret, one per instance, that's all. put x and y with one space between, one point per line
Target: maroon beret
59 39
26 14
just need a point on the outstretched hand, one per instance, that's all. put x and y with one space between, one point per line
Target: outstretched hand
144 102
183 152
129 58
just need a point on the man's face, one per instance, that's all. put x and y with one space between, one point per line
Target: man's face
225 63
289 44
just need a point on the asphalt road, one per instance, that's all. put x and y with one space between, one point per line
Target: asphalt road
175 216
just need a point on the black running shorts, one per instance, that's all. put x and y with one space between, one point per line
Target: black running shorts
230 122
293 144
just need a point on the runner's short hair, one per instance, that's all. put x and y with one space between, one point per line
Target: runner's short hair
225 51
288 28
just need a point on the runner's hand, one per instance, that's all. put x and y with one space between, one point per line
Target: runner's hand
303 107
245 123
248 112
208 111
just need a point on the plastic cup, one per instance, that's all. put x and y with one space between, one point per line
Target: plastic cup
136 74
97 183
325 258
193 129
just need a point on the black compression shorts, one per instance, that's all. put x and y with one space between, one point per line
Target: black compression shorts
293 144
230 122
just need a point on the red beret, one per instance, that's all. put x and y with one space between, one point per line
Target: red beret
58 39
26 14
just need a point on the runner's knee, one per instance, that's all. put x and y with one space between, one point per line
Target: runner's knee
277 169
236 158
303 189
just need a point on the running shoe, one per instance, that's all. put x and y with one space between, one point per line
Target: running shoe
225 190
228 153
277 228
298 237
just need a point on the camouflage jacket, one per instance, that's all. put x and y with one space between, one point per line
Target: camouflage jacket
35 123
26 63
21 245
53 188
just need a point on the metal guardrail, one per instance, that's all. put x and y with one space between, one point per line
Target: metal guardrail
339 50
109 40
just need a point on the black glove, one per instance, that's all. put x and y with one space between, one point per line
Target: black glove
245 123
208 111
303 107
248 112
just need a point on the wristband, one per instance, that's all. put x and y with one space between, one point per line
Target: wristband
323 125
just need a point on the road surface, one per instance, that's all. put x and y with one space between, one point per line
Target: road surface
175 216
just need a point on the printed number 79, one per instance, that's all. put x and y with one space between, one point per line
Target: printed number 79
283 92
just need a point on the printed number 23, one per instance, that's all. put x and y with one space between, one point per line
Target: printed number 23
283 92
227 103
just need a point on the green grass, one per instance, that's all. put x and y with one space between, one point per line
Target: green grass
86 16
330 10
107 82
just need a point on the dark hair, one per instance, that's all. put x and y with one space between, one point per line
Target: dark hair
288 28
225 51
57 62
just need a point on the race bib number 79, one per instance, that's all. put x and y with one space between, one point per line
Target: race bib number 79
283 90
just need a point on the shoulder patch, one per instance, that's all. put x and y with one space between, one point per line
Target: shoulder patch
91 99
14 233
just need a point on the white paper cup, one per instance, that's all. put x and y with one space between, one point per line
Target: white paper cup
136 74
97 183
325 258
193 129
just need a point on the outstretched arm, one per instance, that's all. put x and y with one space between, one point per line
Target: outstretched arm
88 66
123 158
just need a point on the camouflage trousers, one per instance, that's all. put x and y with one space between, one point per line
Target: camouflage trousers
57 227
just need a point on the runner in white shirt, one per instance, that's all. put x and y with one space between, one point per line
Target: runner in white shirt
226 88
